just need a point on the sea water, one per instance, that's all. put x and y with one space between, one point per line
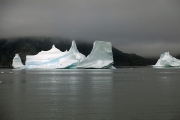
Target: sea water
90 94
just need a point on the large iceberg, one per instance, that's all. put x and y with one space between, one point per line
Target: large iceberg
17 63
166 60
100 57
54 58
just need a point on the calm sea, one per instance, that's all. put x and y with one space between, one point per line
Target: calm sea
120 94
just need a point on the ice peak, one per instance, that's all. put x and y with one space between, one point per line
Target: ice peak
53 46
73 46
75 51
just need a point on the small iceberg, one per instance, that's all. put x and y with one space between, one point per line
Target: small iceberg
166 60
17 63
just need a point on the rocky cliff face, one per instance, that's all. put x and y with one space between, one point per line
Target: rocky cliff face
33 45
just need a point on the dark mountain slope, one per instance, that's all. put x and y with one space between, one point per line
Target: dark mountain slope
178 57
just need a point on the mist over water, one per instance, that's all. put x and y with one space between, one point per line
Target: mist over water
125 93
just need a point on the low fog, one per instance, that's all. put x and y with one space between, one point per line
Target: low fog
146 28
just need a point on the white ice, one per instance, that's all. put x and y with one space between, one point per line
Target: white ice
100 57
166 60
54 58
17 63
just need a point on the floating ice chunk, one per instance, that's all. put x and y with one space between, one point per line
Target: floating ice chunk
100 57
17 63
166 60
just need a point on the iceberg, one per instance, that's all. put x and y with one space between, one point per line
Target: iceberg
17 63
100 57
166 60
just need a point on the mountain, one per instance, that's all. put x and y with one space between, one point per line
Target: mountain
178 57
33 45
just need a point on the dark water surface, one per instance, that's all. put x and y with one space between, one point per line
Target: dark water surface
121 94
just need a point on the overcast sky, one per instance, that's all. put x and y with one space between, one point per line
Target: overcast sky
144 27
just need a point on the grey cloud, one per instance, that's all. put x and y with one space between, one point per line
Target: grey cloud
152 49
127 24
